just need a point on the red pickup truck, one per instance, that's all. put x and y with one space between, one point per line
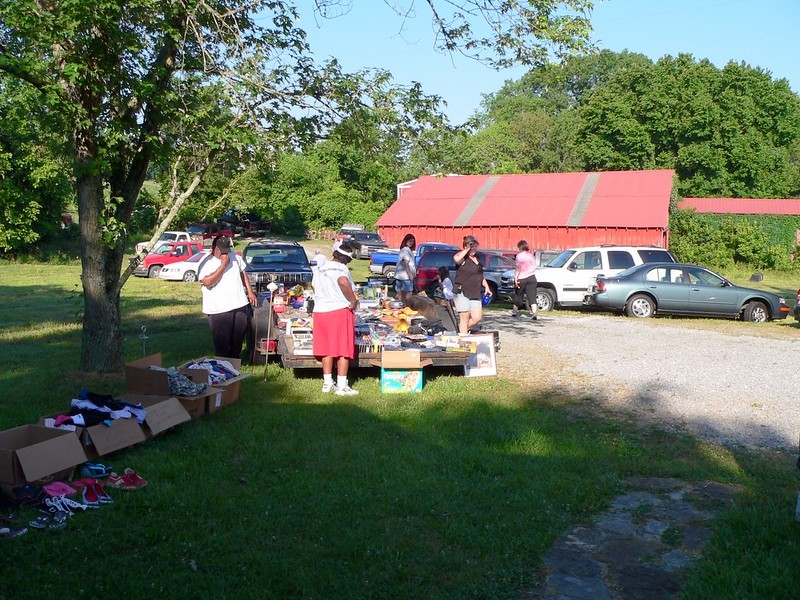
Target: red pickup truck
165 254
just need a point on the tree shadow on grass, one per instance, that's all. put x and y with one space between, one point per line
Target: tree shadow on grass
296 494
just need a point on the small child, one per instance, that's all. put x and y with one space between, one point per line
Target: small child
445 283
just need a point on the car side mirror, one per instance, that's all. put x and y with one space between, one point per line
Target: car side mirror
573 267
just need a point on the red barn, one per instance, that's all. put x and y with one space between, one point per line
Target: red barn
549 210
743 206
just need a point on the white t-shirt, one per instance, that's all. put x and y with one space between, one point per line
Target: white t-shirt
328 296
229 293
400 271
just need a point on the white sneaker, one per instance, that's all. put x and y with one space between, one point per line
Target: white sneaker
513 313
327 387
346 391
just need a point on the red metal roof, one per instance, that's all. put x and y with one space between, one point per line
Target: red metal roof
743 206
607 199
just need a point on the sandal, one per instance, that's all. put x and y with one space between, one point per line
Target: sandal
56 520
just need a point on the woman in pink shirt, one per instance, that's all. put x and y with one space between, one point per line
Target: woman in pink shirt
525 281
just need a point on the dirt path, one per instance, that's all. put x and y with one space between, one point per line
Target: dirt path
734 384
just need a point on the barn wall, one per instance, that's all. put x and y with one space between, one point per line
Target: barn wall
538 237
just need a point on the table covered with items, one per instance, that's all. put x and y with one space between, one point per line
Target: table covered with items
386 331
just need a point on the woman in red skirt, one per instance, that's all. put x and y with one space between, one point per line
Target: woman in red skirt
334 319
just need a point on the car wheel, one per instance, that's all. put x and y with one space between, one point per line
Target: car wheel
640 306
190 276
154 271
755 312
388 272
545 299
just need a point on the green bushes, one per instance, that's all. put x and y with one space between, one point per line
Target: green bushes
725 241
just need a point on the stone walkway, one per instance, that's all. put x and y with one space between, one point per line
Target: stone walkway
640 548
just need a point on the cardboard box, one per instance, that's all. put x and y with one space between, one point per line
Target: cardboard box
401 371
30 453
163 413
141 380
101 440
230 386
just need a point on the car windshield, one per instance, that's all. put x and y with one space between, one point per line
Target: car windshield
560 260
369 237
268 256
168 237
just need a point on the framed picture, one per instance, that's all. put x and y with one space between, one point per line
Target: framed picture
484 362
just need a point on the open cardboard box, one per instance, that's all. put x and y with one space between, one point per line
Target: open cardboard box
163 412
141 380
31 453
231 386
101 440
401 371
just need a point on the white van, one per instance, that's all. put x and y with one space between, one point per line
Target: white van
566 279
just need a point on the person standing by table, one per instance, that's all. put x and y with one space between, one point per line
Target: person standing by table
335 303
228 297
525 281
468 285
405 270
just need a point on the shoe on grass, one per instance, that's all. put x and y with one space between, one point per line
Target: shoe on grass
513 313
328 387
346 391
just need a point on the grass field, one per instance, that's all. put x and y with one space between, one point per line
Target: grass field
453 493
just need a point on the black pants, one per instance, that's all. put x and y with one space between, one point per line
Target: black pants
526 293
228 330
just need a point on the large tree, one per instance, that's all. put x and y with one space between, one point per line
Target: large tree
122 73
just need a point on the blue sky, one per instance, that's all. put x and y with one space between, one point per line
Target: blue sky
762 33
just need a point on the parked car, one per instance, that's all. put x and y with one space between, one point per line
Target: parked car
383 262
494 265
212 230
682 289
167 253
509 254
347 230
167 236
281 262
185 270
796 311
365 243
565 279
245 223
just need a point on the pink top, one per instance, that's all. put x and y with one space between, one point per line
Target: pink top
526 265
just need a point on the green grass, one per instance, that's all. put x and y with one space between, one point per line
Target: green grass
456 492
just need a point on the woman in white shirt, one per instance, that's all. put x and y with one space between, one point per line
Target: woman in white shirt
405 270
335 303
227 296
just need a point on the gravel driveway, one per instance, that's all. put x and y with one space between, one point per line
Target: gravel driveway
727 382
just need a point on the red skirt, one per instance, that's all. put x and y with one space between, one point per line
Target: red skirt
334 333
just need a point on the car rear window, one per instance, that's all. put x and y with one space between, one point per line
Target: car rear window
437 259
655 255
620 259
368 237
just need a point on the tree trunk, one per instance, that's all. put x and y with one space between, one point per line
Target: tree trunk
101 349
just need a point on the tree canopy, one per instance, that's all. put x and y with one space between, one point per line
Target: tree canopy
126 76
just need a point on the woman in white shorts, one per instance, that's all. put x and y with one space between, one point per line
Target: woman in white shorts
469 286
